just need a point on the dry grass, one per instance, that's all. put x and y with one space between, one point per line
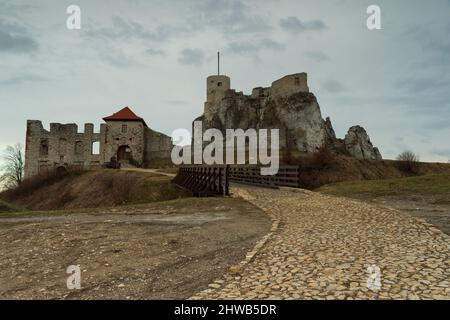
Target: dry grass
324 167
7 207
435 185
93 189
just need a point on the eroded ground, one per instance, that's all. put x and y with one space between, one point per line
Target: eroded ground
428 208
158 251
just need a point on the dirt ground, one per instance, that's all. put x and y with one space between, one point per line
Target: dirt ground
168 250
430 208
426 207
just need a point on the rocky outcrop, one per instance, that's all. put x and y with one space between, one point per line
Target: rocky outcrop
296 113
358 144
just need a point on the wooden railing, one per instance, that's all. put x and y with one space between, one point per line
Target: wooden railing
250 174
203 180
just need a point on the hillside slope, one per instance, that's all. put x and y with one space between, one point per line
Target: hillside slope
319 172
92 189
437 185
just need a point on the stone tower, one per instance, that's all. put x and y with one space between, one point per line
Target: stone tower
216 86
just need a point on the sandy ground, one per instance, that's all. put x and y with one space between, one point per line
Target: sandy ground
157 251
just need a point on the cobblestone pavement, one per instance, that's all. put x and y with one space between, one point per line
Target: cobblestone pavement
327 247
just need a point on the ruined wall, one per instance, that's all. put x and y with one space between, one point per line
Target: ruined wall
158 147
61 146
64 146
290 84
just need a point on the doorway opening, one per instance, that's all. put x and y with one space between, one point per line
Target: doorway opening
124 154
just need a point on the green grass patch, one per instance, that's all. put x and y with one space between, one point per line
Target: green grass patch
435 185
155 188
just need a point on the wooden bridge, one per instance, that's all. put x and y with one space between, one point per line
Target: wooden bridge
204 180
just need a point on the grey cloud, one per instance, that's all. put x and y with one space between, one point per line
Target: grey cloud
230 16
155 52
255 46
318 56
176 102
295 25
333 86
434 43
14 10
191 57
437 124
15 39
442 152
124 29
18 80
116 57
422 84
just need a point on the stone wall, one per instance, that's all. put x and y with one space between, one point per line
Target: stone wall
64 147
158 147
128 134
61 146
290 84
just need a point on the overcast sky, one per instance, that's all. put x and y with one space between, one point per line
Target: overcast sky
154 56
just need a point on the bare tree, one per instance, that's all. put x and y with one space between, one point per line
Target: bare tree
409 162
12 170
408 156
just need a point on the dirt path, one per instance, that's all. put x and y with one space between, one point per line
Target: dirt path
157 251
336 248
155 171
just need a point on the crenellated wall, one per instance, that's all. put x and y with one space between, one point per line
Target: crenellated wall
64 147
61 146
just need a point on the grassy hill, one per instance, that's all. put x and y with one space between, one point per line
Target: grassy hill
91 189
436 185
321 169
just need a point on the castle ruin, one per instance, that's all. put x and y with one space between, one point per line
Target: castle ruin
287 105
123 137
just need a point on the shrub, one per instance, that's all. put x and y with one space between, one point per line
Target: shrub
288 158
408 162
31 184
323 158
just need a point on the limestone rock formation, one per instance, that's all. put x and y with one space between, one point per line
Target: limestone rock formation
286 105
358 144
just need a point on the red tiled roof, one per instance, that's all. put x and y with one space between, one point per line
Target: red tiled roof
126 114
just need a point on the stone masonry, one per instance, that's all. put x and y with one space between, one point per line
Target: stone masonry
124 136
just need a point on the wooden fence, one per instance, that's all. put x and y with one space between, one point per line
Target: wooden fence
287 176
205 180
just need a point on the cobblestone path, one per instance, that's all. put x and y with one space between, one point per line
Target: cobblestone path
331 248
